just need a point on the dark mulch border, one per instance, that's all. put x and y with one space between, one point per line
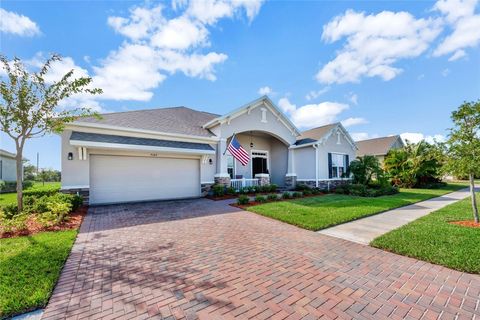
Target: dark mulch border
33 227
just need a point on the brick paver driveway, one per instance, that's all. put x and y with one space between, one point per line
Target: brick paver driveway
204 259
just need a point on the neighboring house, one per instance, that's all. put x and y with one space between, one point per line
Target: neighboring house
379 147
8 165
172 153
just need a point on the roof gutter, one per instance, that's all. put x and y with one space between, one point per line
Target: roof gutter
120 146
133 130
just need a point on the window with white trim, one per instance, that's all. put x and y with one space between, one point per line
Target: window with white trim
339 165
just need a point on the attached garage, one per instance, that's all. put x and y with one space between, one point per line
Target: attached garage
115 179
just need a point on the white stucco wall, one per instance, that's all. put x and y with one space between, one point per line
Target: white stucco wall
76 172
332 146
253 122
8 171
304 161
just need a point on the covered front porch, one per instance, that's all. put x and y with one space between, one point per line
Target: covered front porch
268 160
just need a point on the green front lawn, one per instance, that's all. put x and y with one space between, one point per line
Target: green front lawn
6 198
432 238
321 212
29 269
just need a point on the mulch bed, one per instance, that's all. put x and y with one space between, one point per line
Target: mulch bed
74 222
467 223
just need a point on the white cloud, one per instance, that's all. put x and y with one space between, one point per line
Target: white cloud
445 72
354 121
265 91
460 16
58 68
17 24
353 98
312 115
140 23
457 55
374 43
415 137
158 46
315 94
210 11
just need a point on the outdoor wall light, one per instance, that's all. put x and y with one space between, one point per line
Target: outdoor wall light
70 156
210 161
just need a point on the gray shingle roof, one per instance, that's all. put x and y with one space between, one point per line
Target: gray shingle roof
179 120
314 134
107 138
376 146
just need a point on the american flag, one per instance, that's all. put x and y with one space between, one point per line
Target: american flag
237 151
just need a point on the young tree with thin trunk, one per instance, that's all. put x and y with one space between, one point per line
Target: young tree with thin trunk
29 105
463 157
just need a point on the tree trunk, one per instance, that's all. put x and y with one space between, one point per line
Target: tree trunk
474 200
19 160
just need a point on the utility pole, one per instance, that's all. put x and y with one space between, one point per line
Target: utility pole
37 162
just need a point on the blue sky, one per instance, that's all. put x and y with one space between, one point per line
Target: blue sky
380 67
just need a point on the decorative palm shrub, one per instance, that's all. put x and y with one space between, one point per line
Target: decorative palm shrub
415 165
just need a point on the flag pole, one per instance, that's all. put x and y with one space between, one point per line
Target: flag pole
229 143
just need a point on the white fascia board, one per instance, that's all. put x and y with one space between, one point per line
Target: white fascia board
120 146
252 105
310 144
184 137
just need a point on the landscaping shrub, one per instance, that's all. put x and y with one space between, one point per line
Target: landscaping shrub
415 164
39 205
17 222
273 187
244 190
252 189
11 186
42 192
302 187
231 191
307 192
47 219
360 190
272 197
260 199
316 191
286 195
10 210
218 190
243 199
296 194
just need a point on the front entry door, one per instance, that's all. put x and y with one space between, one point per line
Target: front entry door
259 165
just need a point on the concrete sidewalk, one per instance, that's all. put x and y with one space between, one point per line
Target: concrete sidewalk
365 230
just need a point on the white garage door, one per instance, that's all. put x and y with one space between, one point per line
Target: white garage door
123 179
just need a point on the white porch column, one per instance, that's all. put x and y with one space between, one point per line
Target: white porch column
291 176
221 175
291 162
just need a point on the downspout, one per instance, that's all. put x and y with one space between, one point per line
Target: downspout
315 146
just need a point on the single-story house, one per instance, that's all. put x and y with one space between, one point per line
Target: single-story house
172 153
8 165
379 147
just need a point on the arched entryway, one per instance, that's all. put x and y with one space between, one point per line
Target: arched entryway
268 156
